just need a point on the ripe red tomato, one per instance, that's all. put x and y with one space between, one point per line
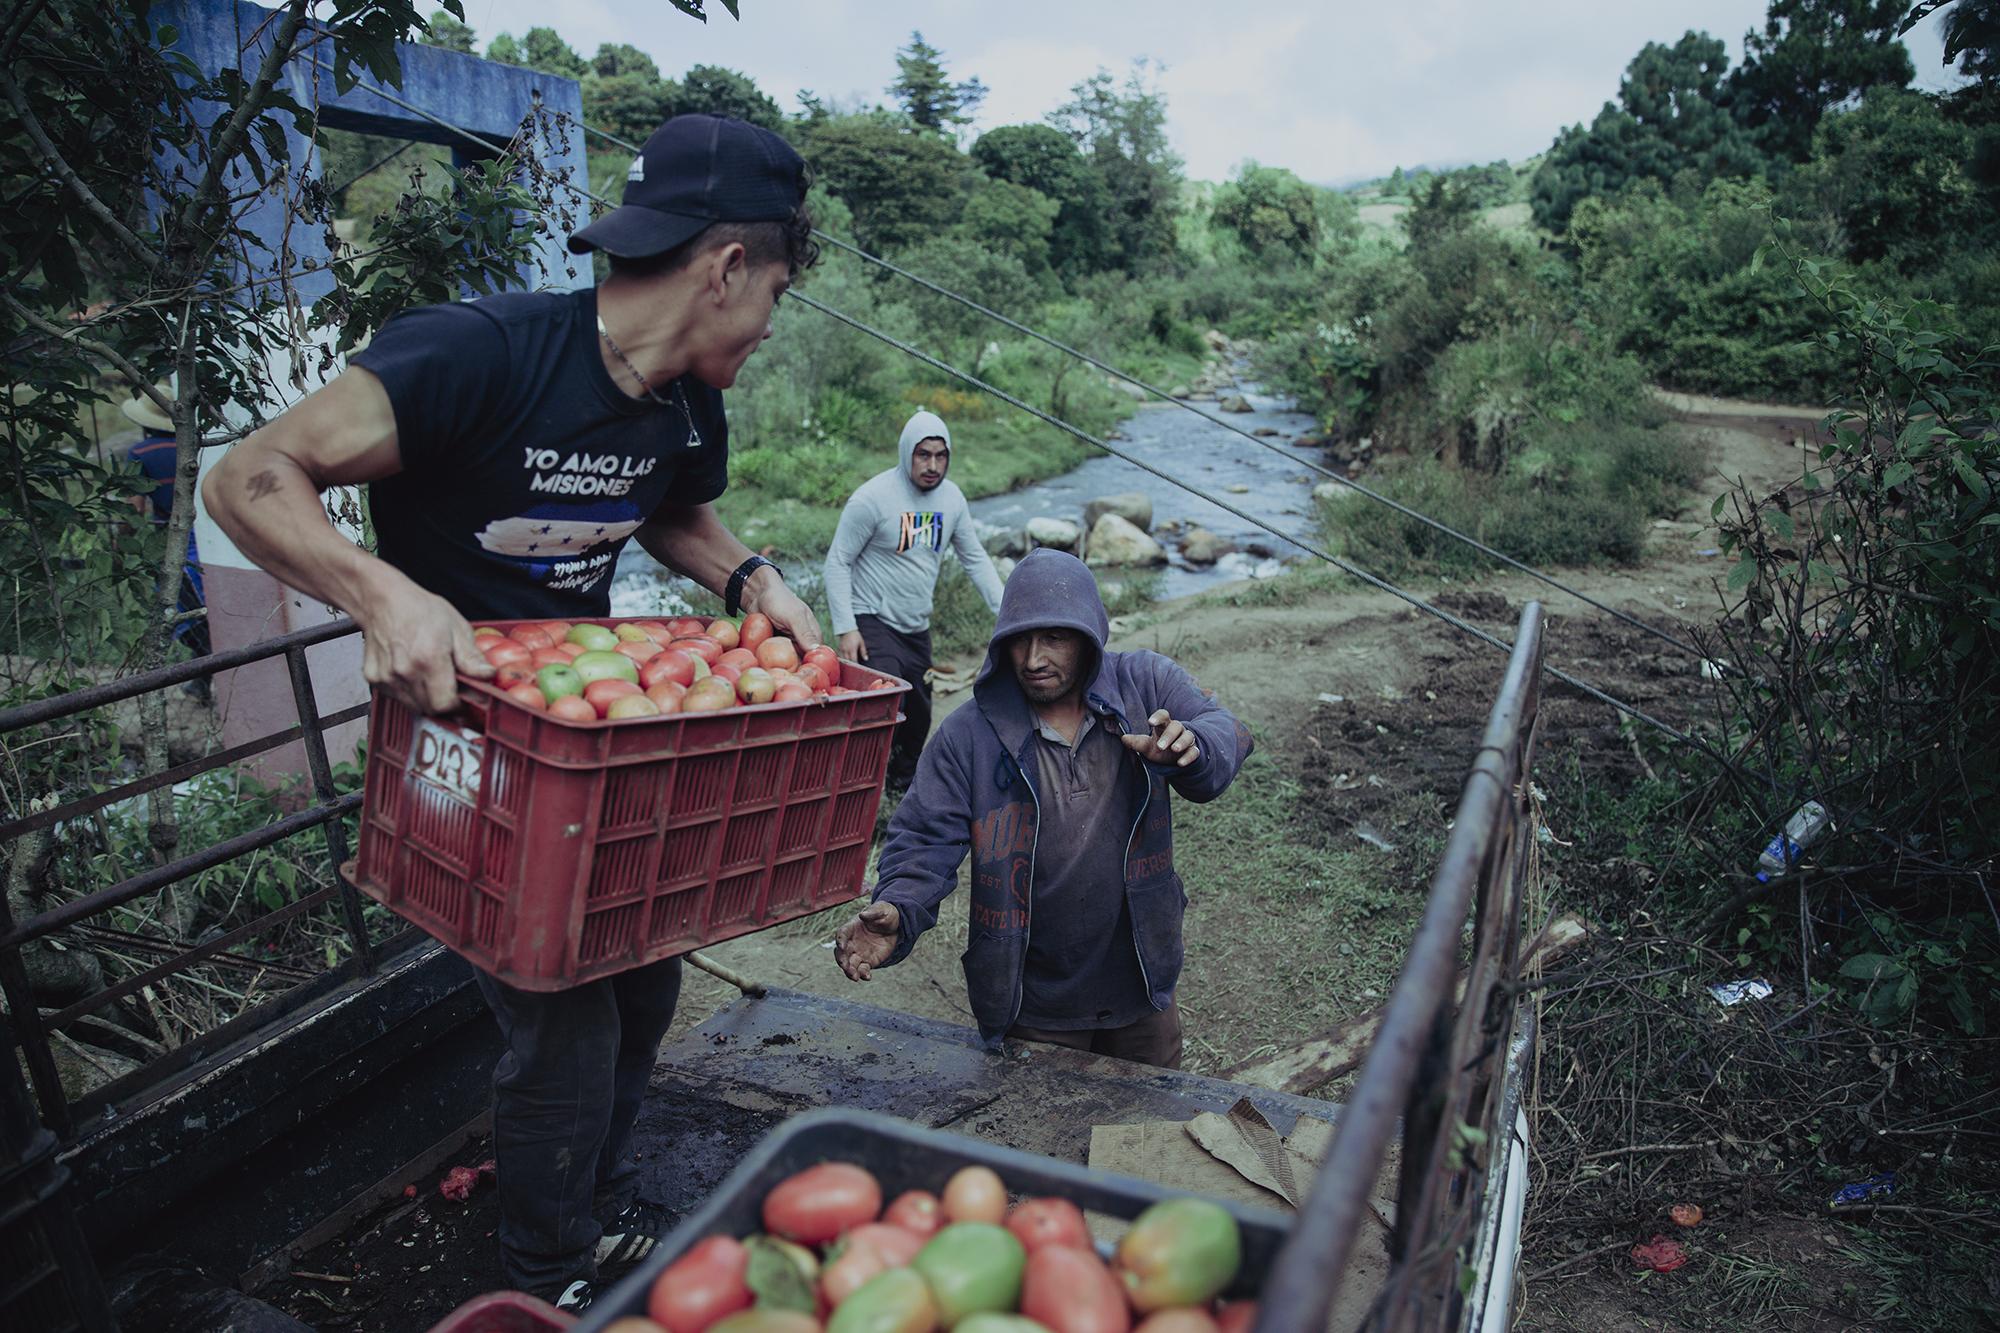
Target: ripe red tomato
740 658
1069 1290
792 692
599 693
975 1194
1039 1222
667 694
506 652
728 671
557 630
573 708
916 1211
778 652
654 630
827 659
532 637
883 684
700 645
815 679
549 657
639 650
528 696
674 664
871 1248
686 625
507 677
702 1286
723 632
821 1202
571 651
756 629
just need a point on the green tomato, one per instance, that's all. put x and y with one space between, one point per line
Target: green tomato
896 1301
596 638
989 1322
972 1267
595 665
557 680
1178 1252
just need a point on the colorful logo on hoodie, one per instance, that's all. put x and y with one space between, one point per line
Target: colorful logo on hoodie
920 528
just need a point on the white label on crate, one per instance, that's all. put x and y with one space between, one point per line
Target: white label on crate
447 757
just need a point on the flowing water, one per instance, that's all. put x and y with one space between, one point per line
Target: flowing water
1199 453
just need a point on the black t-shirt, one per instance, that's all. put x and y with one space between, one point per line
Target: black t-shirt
525 467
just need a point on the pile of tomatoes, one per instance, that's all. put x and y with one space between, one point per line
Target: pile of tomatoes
584 671
833 1259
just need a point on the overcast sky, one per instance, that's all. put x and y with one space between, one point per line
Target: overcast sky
1334 90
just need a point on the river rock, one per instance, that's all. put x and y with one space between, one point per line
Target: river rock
1114 541
1217 341
1058 533
1135 507
1267 431
1130 390
1235 402
1179 391
1312 441
1008 542
1203 547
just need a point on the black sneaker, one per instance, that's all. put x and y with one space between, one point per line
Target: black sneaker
577 1296
630 1236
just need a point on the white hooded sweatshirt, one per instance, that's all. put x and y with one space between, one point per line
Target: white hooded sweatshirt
892 536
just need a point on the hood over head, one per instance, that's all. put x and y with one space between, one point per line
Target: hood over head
920 427
1049 589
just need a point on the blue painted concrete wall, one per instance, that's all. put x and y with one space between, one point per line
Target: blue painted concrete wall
478 95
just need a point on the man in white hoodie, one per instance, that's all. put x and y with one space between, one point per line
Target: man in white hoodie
882 572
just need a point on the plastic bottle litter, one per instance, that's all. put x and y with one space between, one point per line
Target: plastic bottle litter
1800 831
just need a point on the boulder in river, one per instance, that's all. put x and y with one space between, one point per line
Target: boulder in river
1235 402
1267 431
1130 390
1203 547
1217 341
1059 533
1135 507
1113 541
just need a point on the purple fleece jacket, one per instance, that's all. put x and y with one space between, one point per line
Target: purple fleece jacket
975 790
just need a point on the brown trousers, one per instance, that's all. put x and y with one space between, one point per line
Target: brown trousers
1153 1040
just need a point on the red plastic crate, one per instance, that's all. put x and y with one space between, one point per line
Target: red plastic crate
551 853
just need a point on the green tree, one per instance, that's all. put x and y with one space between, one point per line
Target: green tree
1013 220
927 94
1972 38
1271 211
1811 57
1670 117
615 59
902 184
724 92
445 31
542 49
1894 173
1045 160
1123 133
630 106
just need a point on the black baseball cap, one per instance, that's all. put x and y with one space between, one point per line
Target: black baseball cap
696 170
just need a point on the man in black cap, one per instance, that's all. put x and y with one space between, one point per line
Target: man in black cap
510 446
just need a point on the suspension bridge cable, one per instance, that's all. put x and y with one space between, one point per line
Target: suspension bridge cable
1372 494
1344 566
1353 570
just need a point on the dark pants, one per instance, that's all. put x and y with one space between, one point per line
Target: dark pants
565 1094
908 656
1153 1040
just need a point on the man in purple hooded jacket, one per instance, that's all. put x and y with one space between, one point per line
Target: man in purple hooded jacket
1057 779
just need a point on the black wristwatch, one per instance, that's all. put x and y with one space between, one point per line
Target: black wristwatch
732 596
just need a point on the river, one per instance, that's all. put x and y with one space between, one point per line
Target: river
1187 448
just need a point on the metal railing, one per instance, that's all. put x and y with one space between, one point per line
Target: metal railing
1437 1063
31 1027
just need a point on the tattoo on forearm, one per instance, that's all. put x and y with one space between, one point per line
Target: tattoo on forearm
263 484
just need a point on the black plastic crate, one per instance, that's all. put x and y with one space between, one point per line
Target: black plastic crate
905 1156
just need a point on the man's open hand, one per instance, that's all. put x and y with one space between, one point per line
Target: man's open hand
1168 743
865 943
413 643
853 647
